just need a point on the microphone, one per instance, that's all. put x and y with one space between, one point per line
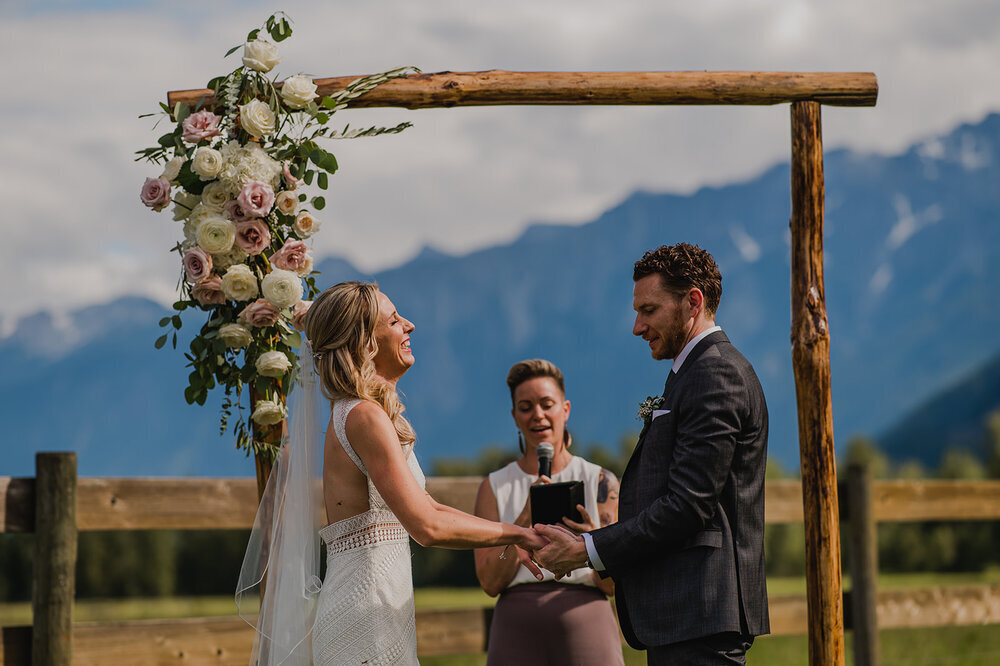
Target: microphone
545 451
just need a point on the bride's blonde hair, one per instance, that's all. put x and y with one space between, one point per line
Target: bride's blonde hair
340 326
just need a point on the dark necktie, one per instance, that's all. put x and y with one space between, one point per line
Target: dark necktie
670 377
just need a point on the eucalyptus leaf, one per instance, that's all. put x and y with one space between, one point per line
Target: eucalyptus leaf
319 203
160 341
323 181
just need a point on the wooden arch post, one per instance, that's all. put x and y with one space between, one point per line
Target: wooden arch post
806 92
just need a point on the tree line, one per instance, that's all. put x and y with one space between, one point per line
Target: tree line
160 563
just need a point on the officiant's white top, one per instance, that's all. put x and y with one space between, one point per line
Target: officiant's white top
510 486
365 613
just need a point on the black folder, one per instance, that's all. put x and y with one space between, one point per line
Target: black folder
551 502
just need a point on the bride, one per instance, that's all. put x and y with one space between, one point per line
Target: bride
373 492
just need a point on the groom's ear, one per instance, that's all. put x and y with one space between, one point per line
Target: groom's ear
695 300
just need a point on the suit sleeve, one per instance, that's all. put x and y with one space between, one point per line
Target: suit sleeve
709 412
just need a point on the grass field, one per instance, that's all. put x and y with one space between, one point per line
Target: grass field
946 646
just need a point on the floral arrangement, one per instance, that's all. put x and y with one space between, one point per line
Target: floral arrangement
236 174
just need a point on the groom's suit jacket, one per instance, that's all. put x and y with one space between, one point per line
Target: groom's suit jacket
687 552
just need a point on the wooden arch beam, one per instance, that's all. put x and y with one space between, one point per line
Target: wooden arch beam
497 87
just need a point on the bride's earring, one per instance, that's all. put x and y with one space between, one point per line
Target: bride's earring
567 438
520 443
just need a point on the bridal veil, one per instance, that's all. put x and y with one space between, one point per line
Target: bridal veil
283 554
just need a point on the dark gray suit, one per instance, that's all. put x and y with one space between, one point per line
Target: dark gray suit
687 552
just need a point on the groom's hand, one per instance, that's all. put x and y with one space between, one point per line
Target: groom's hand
565 551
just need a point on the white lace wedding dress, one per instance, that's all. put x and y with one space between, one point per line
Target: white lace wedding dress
365 613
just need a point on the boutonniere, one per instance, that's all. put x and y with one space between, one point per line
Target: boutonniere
647 406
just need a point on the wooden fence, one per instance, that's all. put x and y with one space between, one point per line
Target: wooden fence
56 504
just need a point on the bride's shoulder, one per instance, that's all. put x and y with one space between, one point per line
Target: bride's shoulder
366 417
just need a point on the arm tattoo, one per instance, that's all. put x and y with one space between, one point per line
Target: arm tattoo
607 487
602 489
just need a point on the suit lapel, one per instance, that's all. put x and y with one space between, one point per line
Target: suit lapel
673 379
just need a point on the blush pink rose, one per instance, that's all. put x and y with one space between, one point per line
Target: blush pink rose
200 126
256 198
234 211
259 313
155 193
197 264
293 256
291 182
208 291
252 236
299 311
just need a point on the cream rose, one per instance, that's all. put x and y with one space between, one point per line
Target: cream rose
259 313
216 234
305 224
235 336
239 283
207 163
273 364
267 412
297 91
287 202
184 203
223 261
257 118
281 288
260 55
215 195
172 168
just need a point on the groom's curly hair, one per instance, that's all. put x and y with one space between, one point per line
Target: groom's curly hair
681 267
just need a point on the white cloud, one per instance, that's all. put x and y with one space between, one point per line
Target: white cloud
76 76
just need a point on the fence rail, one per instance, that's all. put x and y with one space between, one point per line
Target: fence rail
157 503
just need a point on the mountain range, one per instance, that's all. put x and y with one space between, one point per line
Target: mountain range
912 272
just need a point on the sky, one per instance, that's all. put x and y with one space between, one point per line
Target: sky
75 76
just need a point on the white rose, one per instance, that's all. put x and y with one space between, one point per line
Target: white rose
273 364
260 55
235 335
287 202
198 214
239 283
282 288
267 412
297 91
216 234
305 224
172 168
257 118
207 163
185 203
215 195
227 259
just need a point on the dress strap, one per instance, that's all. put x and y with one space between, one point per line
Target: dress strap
341 409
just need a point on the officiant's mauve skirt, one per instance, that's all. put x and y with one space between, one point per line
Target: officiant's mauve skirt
551 624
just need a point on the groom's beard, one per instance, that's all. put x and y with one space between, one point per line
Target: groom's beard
673 339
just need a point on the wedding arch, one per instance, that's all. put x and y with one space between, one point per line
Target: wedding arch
806 92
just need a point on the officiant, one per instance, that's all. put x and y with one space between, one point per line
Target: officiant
546 622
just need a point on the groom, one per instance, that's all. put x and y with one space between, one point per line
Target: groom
687 552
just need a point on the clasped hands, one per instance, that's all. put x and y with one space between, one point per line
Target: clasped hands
560 548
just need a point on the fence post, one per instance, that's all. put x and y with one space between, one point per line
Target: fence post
55 559
864 564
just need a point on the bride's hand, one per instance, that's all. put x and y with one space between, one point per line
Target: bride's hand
588 524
